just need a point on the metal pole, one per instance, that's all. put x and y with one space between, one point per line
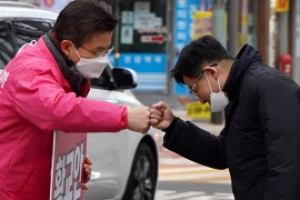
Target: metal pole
117 33
263 29
219 26
283 32
267 31
219 32
296 41
233 25
272 34
170 43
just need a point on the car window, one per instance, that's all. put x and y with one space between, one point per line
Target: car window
105 81
27 30
16 32
6 47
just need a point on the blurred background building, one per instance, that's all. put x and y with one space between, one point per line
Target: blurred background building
151 33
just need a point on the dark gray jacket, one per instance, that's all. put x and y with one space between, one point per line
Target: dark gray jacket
260 143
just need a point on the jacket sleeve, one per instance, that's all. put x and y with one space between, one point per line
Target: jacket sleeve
196 144
279 110
41 100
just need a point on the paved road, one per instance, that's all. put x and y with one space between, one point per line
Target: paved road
179 178
182 179
192 195
176 168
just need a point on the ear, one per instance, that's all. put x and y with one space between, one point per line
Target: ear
66 47
214 71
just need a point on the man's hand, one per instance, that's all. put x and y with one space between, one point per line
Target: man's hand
161 115
87 171
139 119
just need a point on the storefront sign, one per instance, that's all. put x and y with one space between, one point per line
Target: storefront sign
202 24
184 13
282 5
150 68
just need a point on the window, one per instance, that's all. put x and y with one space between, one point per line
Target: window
6 46
27 30
14 33
105 81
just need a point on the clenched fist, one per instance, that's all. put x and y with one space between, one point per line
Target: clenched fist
161 115
139 119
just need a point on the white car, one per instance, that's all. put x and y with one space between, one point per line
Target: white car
125 164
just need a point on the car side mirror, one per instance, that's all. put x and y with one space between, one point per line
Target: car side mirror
124 78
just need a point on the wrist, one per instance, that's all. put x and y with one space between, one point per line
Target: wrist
172 125
124 117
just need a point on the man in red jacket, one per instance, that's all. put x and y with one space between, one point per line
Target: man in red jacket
44 89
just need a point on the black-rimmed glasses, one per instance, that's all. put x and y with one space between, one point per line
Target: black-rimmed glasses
194 86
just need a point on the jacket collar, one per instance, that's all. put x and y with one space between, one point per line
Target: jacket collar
66 66
244 59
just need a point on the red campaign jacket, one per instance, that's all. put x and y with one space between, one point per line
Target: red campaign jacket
35 99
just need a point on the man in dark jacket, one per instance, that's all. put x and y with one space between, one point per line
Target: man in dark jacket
260 143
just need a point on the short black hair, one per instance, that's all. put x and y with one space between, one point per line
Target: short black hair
80 19
196 54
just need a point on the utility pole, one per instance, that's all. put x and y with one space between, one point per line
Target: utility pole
117 34
267 31
170 43
272 35
219 22
283 32
296 40
220 33
233 26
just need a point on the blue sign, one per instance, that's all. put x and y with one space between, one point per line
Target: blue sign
150 68
111 58
206 5
184 11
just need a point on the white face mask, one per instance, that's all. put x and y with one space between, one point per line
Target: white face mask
91 68
218 101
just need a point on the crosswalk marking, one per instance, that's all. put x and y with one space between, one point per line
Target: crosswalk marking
177 161
172 195
191 195
194 174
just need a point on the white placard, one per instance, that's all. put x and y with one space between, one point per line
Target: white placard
144 20
142 6
126 34
127 17
158 22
